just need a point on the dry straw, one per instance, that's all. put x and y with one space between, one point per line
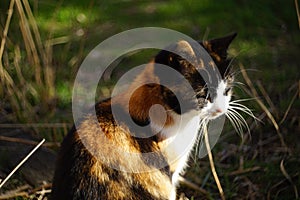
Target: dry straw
21 163
20 89
212 165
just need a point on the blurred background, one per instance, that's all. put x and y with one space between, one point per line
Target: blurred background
43 43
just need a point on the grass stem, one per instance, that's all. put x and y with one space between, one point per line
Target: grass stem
262 105
21 163
212 165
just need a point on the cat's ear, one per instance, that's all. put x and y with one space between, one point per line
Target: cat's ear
173 54
218 47
184 49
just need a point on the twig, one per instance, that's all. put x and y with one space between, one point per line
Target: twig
211 162
21 163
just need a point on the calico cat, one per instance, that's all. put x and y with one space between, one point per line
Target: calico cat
102 172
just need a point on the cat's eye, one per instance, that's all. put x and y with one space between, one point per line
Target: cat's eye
227 90
208 98
202 93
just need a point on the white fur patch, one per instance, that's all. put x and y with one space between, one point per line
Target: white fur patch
220 104
180 138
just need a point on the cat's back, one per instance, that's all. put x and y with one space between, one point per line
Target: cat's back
88 167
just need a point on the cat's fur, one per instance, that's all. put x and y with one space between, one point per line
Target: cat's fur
81 175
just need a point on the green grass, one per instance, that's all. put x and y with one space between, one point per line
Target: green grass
267 45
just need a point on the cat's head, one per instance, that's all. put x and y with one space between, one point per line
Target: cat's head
210 105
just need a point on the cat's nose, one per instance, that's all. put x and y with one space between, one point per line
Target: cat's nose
218 110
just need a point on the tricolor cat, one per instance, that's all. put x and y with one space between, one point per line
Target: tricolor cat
108 174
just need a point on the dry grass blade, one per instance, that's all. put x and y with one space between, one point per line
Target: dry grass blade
262 105
46 186
5 31
35 29
211 162
45 57
21 163
15 193
3 73
29 42
192 185
37 125
21 93
243 171
275 186
267 97
42 193
17 59
298 13
299 88
9 89
28 142
288 177
289 107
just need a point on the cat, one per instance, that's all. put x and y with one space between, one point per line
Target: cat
102 172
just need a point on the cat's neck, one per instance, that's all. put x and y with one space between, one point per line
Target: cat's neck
177 141
145 102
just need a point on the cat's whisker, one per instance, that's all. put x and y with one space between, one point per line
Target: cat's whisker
202 124
236 123
237 120
233 123
229 65
240 118
237 72
243 108
241 100
238 85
